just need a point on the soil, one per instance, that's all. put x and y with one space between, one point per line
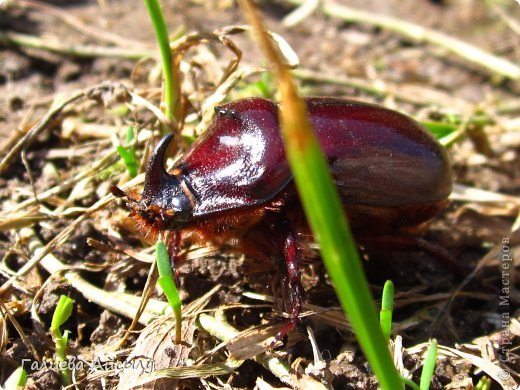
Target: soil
470 307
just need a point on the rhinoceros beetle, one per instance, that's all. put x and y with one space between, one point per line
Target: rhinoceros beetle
234 183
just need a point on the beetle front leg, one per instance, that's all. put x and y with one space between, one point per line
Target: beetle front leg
174 241
292 289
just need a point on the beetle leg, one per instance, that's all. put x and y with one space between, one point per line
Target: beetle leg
290 282
174 250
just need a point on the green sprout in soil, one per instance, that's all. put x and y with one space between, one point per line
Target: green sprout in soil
167 282
429 366
427 371
60 316
385 319
128 155
387 307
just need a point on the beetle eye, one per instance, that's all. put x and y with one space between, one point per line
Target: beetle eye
167 212
181 208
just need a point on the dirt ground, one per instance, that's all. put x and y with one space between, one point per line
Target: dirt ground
70 74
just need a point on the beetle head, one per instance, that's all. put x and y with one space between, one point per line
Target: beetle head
164 203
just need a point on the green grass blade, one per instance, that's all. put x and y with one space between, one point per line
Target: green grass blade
163 260
325 214
167 283
265 85
429 366
440 129
446 133
171 82
131 165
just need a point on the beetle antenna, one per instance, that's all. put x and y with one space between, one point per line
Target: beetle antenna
119 193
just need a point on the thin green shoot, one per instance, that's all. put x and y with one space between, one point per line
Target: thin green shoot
167 282
325 213
483 384
16 380
128 154
387 307
429 366
61 315
171 82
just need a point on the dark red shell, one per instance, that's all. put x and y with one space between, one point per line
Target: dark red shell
383 163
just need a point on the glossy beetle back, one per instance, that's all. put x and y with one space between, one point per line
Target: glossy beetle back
384 164
378 156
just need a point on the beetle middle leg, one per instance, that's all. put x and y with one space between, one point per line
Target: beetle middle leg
292 288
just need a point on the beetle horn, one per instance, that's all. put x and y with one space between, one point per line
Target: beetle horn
157 178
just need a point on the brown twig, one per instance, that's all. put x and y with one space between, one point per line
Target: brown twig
88 51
